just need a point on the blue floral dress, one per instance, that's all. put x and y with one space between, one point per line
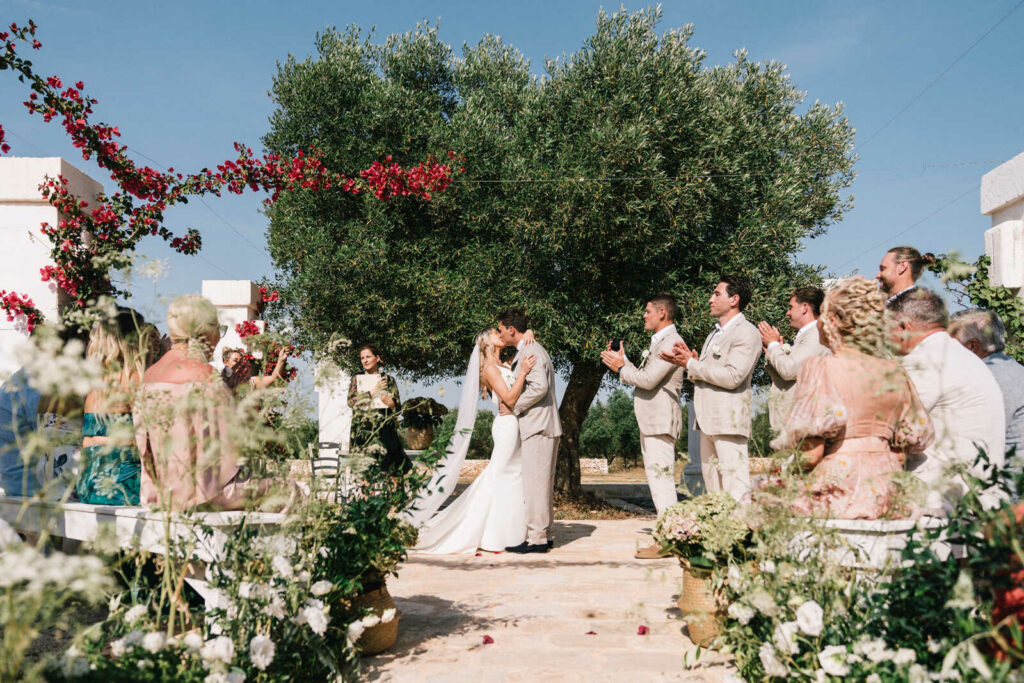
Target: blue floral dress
110 474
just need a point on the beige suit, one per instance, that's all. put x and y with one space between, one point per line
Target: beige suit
539 429
783 364
721 401
659 385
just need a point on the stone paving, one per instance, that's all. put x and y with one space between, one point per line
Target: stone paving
569 615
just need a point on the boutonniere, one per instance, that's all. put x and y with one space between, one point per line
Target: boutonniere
787 347
716 349
644 356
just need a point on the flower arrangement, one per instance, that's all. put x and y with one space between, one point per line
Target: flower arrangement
421 412
704 531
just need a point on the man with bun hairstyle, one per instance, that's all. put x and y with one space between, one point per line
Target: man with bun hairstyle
899 270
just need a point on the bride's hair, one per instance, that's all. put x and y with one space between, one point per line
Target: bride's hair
487 356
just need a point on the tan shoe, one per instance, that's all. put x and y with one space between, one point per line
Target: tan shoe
651 552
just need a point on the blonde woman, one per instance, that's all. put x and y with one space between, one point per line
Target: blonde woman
110 464
491 513
856 413
183 434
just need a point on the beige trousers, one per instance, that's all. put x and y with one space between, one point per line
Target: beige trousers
539 453
659 453
725 464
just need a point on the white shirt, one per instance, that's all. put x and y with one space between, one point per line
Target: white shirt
661 334
806 328
719 327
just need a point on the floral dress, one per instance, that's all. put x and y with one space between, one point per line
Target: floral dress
869 415
373 429
110 474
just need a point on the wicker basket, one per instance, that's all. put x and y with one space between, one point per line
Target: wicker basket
419 438
702 609
381 637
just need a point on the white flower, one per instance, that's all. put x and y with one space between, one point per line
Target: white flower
388 615
193 641
261 651
733 575
134 638
303 576
810 617
833 660
117 648
321 588
313 614
135 613
236 677
115 603
787 347
144 664
763 602
873 678
820 676
716 349
220 649
904 656
282 567
154 642
917 674
771 663
767 566
873 649
741 612
355 629
275 608
370 620
324 551
934 646
785 638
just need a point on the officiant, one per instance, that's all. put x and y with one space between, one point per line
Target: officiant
373 397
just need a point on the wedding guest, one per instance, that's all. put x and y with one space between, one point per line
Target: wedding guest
721 375
659 386
373 397
783 361
183 422
855 413
982 332
238 371
899 270
110 468
19 417
961 396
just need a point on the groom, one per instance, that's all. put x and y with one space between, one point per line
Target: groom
539 430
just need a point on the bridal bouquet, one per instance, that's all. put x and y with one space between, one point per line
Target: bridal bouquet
704 531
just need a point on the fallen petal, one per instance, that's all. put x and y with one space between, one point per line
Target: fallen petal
488 640
590 633
642 630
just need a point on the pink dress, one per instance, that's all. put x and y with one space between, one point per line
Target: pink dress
187 454
869 415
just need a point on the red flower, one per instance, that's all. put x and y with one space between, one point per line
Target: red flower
488 640
642 630
594 633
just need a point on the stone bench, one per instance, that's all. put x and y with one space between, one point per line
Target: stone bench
138 527
875 544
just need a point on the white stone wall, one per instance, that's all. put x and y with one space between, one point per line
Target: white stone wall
24 248
1002 198
334 413
236 302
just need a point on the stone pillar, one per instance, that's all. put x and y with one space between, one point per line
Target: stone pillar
25 248
236 302
335 416
1002 198
693 477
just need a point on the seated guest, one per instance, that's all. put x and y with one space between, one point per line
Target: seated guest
238 370
783 361
182 420
983 334
373 397
109 472
961 395
19 417
899 270
855 413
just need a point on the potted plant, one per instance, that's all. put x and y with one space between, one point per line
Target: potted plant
703 532
420 415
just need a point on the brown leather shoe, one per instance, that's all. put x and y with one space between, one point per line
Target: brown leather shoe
651 552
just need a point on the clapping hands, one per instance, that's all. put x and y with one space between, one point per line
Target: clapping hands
614 359
680 355
769 334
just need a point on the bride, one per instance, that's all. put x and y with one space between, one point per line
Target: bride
491 513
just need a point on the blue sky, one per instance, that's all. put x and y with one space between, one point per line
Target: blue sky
183 80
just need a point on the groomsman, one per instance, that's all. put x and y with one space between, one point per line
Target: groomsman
783 361
721 375
659 385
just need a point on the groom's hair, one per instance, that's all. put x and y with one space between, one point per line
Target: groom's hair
515 317
666 302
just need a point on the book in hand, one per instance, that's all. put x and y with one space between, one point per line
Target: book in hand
368 384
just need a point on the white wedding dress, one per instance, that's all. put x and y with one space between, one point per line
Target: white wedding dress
491 513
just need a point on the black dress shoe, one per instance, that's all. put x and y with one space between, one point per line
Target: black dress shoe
551 544
525 547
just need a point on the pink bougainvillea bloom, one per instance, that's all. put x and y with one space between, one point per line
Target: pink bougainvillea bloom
488 640
592 633
642 630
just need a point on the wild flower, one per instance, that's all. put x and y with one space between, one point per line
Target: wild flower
135 613
154 641
771 663
219 649
741 612
784 638
261 651
810 617
833 660
321 588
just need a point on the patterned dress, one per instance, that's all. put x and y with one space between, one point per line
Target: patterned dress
110 474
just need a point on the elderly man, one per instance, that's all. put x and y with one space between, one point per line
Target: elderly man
783 361
962 398
982 332
899 270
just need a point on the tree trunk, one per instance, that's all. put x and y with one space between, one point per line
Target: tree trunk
584 382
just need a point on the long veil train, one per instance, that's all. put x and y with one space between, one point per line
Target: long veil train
446 476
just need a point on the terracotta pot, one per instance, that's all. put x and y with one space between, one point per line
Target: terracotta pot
703 609
381 637
419 438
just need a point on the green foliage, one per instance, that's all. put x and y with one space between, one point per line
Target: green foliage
972 284
760 435
422 412
706 531
631 167
481 443
610 430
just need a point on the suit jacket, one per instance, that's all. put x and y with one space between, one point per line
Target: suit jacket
659 385
537 406
721 379
966 407
783 365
